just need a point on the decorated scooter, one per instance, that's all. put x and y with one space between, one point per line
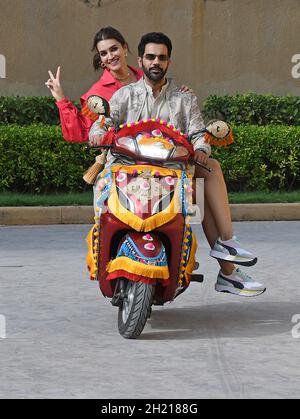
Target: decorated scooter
141 248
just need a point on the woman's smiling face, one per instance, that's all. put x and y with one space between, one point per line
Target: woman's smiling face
112 54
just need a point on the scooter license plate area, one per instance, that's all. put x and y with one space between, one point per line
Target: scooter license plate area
145 193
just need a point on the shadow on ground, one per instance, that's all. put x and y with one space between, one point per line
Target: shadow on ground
222 321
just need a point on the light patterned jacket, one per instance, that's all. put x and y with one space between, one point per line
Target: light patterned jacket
126 105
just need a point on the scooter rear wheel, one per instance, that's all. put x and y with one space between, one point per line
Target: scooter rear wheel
135 308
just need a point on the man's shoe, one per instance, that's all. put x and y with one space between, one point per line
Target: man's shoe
231 251
239 283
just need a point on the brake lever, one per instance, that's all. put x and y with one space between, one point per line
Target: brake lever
94 148
203 166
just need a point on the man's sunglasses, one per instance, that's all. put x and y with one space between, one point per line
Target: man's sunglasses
151 57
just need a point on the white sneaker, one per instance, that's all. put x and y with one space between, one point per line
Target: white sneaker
239 283
232 251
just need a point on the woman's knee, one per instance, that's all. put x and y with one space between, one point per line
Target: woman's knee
215 165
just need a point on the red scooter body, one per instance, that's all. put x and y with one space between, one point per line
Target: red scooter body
142 235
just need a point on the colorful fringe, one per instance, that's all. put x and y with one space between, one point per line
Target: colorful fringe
166 128
92 240
192 261
130 250
137 268
137 278
210 139
188 261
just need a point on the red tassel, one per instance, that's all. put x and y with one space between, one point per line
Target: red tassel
108 138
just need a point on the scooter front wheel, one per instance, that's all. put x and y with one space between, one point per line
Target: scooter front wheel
135 308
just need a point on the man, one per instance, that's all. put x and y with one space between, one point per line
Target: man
156 96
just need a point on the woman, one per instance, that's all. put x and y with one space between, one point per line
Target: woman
111 52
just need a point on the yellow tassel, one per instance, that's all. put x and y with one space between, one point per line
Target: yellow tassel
149 271
191 263
91 174
90 255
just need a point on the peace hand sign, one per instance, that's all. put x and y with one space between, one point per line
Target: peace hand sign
54 85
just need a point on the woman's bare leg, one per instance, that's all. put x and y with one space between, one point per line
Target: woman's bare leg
216 196
211 232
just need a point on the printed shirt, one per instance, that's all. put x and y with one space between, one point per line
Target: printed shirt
155 107
135 102
129 105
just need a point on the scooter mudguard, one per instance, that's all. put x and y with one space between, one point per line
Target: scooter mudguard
141 257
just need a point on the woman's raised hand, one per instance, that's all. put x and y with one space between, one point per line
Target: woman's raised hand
54 85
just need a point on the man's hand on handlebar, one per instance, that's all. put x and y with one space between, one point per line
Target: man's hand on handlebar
95 141
201 157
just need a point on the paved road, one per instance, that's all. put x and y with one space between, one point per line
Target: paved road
62 339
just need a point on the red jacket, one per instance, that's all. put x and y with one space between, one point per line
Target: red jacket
75 126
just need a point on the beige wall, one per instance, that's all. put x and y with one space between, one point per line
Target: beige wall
220 46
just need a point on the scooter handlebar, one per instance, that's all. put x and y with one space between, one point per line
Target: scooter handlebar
202 165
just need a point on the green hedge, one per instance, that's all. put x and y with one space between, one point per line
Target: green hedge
249 108
29 110
253 109
262 158
36 158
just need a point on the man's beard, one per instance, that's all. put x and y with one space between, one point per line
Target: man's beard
153 75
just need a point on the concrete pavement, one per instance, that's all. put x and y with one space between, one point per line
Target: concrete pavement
62 339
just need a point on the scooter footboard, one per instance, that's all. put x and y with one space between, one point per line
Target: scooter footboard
141 257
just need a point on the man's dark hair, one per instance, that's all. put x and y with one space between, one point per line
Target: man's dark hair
154 38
